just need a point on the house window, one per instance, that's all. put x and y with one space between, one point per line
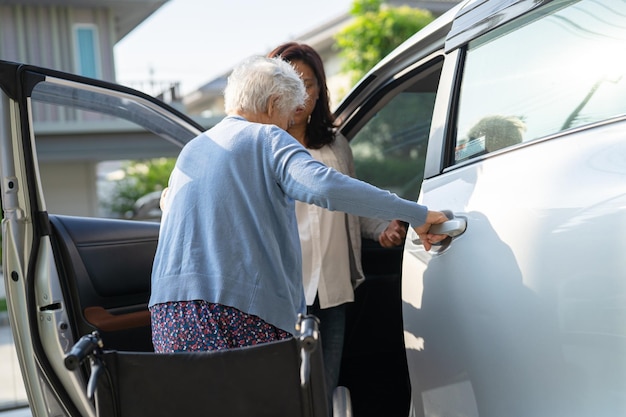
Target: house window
86 51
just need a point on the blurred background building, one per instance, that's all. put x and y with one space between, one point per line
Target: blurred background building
78 36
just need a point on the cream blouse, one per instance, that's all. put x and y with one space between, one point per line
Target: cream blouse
324 242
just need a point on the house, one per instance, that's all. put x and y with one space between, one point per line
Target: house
208 99
75 36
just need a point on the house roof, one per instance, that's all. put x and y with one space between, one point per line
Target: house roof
128 13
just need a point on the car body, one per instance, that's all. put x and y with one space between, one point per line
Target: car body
509 114
523 313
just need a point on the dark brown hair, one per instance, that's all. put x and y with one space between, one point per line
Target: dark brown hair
320 129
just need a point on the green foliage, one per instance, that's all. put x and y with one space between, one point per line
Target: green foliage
360 7
376 31
3 304
140 178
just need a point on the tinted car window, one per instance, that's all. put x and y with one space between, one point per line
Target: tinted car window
78 130
519 82
390 150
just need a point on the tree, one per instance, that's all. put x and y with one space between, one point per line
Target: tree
376 31
139 179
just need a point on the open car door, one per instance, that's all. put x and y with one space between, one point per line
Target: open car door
71 272
67 276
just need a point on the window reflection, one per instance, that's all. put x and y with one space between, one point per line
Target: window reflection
557 71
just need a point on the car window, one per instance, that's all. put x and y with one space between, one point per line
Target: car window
87 135
519 84
390 150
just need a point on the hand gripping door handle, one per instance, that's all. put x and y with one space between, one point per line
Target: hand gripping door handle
454 227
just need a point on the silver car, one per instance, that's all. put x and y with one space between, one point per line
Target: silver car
510 115
515 113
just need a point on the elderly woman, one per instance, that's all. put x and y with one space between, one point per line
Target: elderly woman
227 271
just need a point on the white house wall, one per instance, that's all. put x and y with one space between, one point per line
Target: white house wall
74 185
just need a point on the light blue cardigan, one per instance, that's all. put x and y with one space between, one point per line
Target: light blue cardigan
228 232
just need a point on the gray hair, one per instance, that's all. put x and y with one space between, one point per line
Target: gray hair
256 80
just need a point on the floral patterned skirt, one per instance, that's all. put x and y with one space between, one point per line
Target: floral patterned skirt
187 326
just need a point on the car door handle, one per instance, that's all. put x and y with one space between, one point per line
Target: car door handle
454 227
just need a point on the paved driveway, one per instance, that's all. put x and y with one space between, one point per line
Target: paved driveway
12 392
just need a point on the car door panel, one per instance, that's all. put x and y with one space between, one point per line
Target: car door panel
107 266
59 269
522 314
507 316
